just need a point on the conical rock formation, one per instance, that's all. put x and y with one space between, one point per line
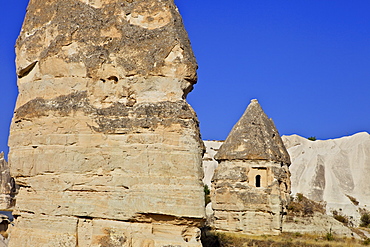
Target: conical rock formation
254 137
103 145
251 184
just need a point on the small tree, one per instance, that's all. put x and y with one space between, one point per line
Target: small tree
312 138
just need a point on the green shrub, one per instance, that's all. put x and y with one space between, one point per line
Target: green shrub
302 206
300 197
207 192
209 238
329 236
341 218
365 220
366 241
312 138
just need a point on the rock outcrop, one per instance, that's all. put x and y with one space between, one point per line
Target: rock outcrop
7 201
7 186
334 171
318 224
251 185
103 144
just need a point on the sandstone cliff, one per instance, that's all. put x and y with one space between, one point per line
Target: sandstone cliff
251 185
103 145
335 171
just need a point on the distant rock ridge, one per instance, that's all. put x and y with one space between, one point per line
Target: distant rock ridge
254 137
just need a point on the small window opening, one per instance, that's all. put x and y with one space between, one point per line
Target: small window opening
258 181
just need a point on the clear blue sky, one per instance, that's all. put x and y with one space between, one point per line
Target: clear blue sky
306 61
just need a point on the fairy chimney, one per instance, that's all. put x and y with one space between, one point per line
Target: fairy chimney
251 185
103 144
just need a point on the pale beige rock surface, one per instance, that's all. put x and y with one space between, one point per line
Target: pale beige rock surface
331 171
251 185
319 224
103 144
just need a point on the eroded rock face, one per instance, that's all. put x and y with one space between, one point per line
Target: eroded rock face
251 185
7 186
103 145
7 193
254 137
333 171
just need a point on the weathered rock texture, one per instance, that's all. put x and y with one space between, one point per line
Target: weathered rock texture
334 171
7 186
318 224
7 201
251 185
103 145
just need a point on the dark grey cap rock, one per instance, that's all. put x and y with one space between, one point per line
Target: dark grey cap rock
254 137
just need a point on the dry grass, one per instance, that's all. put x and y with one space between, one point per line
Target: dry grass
283 240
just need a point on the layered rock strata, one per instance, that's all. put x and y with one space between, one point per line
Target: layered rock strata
251 185
103 144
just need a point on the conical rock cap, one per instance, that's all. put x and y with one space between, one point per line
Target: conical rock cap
254 137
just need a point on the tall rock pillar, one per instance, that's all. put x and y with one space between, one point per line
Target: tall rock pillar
103 144
251 185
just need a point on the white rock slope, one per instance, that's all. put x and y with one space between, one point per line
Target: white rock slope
209 163
332 170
